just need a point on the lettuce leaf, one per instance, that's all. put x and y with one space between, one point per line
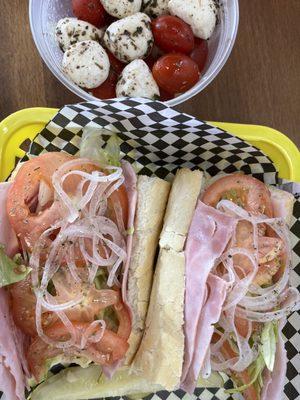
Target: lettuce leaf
255 372
95 148
11 271
269 337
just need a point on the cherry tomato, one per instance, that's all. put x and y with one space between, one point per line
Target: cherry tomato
154 55
171 34
116 65
244 190
165 96
200 53
108 88
175 73
91 11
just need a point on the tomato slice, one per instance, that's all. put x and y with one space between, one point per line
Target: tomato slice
23 302
244 190
175 73
91 11
108 350
243 377
30 225
172 34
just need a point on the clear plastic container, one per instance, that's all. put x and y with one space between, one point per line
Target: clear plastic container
44 14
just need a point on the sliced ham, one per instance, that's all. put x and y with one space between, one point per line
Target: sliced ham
210 315
208 237
12 381
7 235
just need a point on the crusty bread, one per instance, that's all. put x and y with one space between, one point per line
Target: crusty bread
182 201
160 355
151 203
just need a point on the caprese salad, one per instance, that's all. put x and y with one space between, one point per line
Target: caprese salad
136 48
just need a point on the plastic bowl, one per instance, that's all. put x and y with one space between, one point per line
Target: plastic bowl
44 14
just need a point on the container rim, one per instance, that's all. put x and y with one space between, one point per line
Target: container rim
46 56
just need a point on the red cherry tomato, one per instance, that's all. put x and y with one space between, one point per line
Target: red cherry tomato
91 11
153 56
200 53
116 65
165 96
175 73
108 88
171 34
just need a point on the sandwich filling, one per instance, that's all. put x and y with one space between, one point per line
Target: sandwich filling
238 260
72 223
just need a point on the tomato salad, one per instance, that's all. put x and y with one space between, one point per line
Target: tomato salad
136 48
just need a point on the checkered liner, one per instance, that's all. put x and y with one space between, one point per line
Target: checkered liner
158 140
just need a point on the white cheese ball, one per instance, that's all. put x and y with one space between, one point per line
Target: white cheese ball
201 15
130 38
121 8
86 64
155 8
136 80
69 31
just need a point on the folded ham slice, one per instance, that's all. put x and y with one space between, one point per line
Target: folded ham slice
208 237
12 359
7 235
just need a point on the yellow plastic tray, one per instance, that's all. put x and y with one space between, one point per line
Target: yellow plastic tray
25 124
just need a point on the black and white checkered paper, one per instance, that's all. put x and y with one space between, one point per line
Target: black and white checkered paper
158 140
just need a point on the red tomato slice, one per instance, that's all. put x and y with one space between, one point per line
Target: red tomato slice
109 349
172 34
175 73
29 226
108 88
91 11
244 377
23 303
200 53
244 190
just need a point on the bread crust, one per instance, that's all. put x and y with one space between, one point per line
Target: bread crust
151 203
160 355
181 205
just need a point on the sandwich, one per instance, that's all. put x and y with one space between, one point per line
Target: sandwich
115 284
78 242
221 294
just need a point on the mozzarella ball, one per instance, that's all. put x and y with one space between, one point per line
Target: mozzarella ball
121 8
69 31
201 15
136 80
155 8
86 64
130 38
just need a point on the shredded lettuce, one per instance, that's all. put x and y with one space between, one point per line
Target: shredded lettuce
11 271
94 147
255 371
269 337
266 358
